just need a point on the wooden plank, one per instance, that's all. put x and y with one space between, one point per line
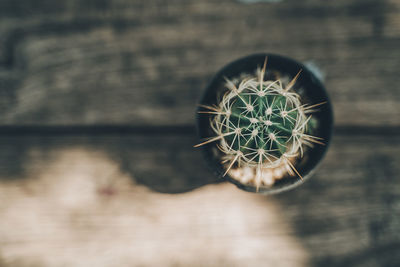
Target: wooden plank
64 195
167 164
349 214
146 63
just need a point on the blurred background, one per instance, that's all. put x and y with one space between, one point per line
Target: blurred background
97 127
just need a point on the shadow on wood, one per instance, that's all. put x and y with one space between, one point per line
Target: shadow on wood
164 163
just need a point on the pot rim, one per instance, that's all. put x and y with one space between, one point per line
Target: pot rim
293 181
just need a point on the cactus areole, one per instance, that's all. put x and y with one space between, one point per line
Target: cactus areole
261 127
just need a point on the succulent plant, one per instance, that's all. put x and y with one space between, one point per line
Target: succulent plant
262 126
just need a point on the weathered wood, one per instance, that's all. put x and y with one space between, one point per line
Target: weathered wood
64 194
349 214
125 75
146 63
167 164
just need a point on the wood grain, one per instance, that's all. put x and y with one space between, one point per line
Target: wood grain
97 106
147 63
348 214
167 163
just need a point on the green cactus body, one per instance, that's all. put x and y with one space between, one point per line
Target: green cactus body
261 125
266 122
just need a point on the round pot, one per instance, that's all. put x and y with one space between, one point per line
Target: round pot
312 92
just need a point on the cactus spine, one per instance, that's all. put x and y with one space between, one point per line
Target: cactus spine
261 125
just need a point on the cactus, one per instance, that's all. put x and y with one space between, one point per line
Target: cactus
262 126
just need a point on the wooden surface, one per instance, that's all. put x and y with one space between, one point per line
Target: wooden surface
97 102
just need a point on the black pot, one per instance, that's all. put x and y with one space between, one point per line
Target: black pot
314 92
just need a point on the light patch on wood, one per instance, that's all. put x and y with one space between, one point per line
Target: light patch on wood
392 20
81 210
